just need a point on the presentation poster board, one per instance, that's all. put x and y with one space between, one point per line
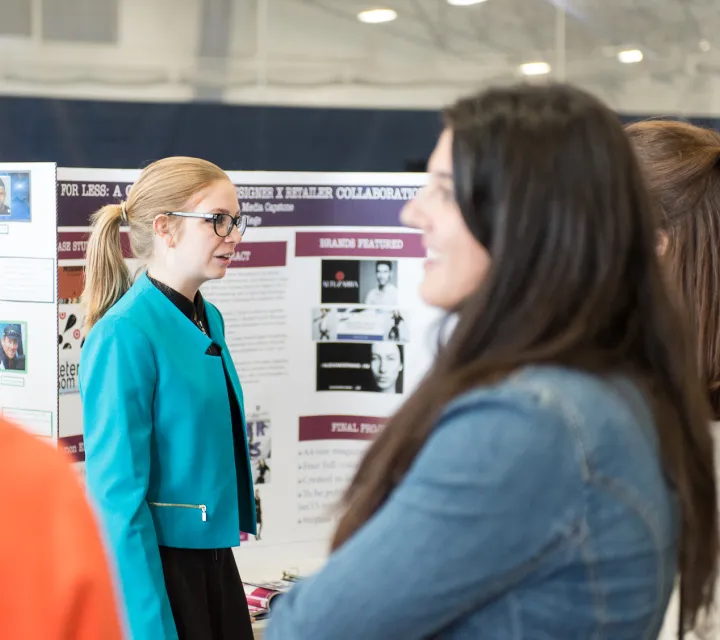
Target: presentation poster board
28 297
322 317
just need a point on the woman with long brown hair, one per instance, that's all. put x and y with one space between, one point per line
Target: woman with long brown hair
681 162
554 468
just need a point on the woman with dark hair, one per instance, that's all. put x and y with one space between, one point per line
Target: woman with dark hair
682 167
4 209
554 468
386 367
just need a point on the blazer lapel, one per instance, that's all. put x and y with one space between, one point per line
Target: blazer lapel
179 329
216 330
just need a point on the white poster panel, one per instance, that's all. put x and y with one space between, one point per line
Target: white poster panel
324 323
28 297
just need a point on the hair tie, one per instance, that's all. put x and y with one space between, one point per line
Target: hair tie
123 213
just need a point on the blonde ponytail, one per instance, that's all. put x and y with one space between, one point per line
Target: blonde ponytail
107 277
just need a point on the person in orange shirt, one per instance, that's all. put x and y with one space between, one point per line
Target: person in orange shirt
54 578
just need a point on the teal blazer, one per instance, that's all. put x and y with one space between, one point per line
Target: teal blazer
159 450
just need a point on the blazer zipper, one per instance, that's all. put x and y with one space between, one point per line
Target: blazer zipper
202 507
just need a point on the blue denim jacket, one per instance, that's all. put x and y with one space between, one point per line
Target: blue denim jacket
538 510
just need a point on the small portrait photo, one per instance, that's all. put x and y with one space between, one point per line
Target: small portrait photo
376 367
387 361
379 283
15 197
5 195
13 341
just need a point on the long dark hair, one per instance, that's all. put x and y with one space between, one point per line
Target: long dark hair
547 181
682 167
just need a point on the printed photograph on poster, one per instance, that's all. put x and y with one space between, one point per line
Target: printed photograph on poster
15 197
370 323
376 367
323 324
378 283
259 443
340 281
71 281
69 334
244 537
258 511
369 282
359 324
398 331
13 343
70 319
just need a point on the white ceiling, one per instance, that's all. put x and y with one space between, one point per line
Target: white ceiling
316 52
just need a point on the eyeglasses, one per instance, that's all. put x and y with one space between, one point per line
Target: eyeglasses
222 222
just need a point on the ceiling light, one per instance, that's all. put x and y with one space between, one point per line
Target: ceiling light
535 68
464 3
704 45
377 16
630 56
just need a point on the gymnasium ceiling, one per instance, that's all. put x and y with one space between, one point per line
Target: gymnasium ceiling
218 49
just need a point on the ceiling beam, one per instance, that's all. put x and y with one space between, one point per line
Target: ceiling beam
396 31
430 24
213 47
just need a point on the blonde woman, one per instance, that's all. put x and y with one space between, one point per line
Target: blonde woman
167 460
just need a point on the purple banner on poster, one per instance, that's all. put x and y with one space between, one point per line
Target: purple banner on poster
267 206
259 254
72 245
74 446
77 201
339 428
368 245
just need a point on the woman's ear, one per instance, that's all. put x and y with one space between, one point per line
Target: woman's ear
662 241
161 227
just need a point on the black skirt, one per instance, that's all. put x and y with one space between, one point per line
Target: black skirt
206 594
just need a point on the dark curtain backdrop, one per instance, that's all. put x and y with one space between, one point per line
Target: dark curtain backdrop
127 135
